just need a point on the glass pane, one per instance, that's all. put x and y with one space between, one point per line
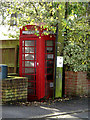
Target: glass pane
29 64
29 43
31 84
49 56
29 49
22 49
49 50
49 70
49 43
30 77
22 63
29 70
23 43
35 64
49 63
35 56
31 91
23 70
49 77
29 56
22 56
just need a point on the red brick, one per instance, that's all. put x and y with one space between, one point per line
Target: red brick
74 80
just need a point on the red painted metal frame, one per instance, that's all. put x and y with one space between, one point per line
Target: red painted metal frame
42 85
49 90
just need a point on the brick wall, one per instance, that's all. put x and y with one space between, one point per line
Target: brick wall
76 83
0 92
14 89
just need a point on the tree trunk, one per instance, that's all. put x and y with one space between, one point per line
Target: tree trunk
59 51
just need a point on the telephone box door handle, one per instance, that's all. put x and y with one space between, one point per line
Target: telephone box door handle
37 63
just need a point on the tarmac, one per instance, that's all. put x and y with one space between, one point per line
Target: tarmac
69 108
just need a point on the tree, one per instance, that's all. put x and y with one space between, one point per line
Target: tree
41 12
30 13
73 27
27 12
59 50
77 35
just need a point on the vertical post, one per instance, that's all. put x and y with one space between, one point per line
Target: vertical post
59 52
0 79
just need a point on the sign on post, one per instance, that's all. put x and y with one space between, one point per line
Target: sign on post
59 61
58 87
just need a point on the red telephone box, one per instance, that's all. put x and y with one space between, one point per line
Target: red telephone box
36 59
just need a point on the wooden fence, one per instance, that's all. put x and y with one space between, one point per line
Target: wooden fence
8 56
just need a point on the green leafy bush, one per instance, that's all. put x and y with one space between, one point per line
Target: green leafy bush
75 57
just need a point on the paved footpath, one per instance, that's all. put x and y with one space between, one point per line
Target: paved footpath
77 108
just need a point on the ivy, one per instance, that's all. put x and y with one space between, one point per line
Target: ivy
75 25
75 57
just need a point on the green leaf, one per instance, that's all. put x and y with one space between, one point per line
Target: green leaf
7 9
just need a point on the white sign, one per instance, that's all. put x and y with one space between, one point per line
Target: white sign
29 32
59 61
51 84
